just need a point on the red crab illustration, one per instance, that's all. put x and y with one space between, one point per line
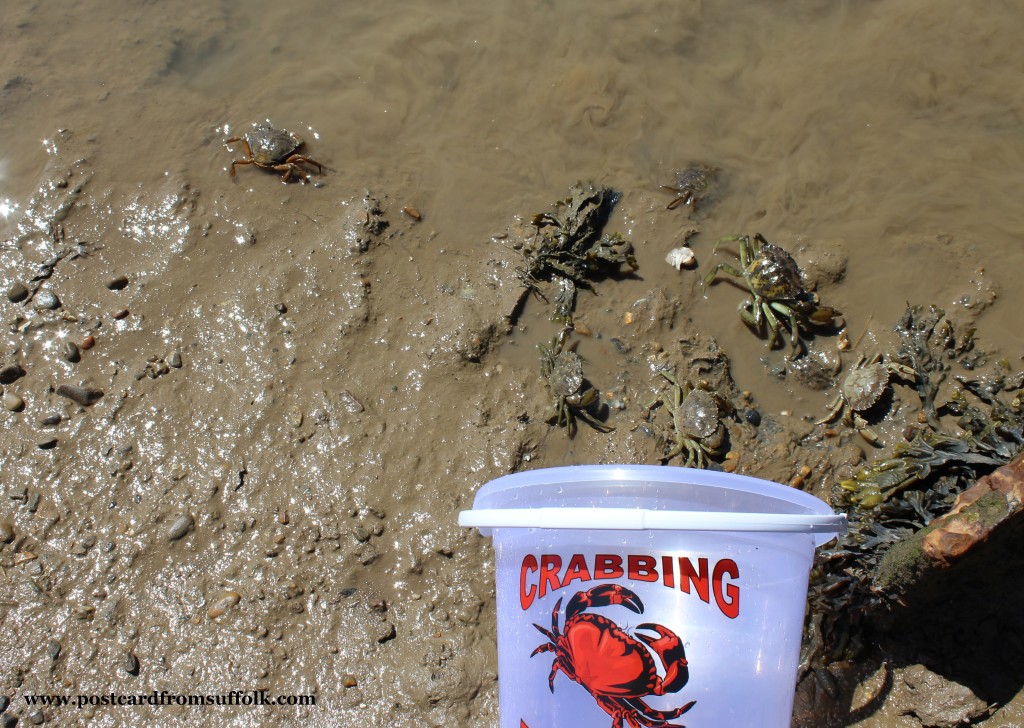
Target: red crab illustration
614 667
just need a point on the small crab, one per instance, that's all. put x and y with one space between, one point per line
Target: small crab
692 185
275 149
697 421
774 279
562 370
863 387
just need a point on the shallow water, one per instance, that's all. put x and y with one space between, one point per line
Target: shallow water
886 132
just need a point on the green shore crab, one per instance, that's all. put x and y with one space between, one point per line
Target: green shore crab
562 370
268 147
774 280
863 387
692 185
696 421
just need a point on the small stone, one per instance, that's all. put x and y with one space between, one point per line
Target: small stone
352 405
10 373
4 702
6 534
69 352
122 314
50 420
13 402
295 417
47 443
37 718
385 631
8 721
17 292
46 300
130 664
349 681
117 284
181 525
53 649
281 308
175 360
85 396
222 603
87 343
752 416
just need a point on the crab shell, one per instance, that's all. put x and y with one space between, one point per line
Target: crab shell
774 275
271 145
566 376
699 416
864 386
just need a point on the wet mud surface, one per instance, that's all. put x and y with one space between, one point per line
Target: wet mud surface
240 417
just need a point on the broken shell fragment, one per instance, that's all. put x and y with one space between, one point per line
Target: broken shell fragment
681 257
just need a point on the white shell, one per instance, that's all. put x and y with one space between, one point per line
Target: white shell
680 257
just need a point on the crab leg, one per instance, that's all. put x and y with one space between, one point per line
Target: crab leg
669 648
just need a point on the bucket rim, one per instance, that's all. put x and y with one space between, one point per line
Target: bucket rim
643 519
812 515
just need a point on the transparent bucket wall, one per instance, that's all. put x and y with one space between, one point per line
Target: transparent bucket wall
736 602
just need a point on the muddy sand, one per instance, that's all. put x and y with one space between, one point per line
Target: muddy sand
240 416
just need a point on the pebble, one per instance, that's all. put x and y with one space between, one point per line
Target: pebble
47 443
17 293
281 308
130 664
85 396
222 603
10 372
87 343
349 681
36 718
413 213
13 402
9 721
384 632
122 314
352 405
175 360
69 352
46 300
116 284
180 527
752 416
4 702
50 420
53 649
6 533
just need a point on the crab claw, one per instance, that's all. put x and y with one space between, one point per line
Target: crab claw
602 596
669 648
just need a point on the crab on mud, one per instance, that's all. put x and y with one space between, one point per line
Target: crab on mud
268 147
774 280
863 387
692 185
615 668
697 421
562 370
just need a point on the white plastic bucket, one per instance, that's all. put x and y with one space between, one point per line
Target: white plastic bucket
638 595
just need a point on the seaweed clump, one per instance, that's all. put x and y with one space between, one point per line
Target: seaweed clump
960 437
570 248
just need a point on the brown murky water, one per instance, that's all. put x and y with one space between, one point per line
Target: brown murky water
322 393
